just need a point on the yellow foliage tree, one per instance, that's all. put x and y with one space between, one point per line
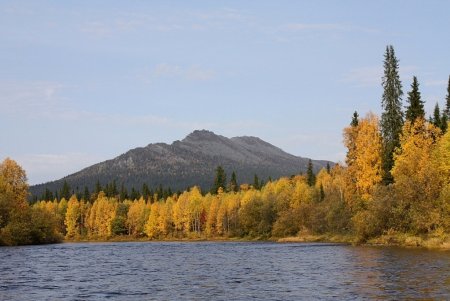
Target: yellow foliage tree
416 179
72 219
151 227
165 219
137 217
368 172
441 156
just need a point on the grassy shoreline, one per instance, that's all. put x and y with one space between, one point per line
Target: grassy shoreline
441 242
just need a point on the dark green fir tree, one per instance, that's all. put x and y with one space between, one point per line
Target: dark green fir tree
436 118
415 108
65 191
447 101
256 183
392 115
220 180
86 194
233 182
355 119
310 176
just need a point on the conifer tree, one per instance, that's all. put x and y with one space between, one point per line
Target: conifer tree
86 195
220 180
446 112
233 182
65 191
392 116
415 108
322 192
256 183
447 102
436 118
355 119
145 191
328 168
310 176
98 187
134 195
123 193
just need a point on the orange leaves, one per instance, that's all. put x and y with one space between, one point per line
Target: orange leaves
364 155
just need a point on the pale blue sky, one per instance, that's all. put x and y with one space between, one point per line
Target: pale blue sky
82 82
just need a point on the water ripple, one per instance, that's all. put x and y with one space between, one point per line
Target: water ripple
221 271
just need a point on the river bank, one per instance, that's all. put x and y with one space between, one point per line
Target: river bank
432 241
435 241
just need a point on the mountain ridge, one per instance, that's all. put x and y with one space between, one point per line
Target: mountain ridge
188 162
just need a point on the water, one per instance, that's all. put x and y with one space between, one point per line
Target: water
221 271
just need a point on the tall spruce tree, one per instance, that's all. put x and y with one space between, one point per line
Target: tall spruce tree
220 180
392 116
310 176
415 109
446 112
447 101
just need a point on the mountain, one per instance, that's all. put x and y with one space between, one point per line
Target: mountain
191 161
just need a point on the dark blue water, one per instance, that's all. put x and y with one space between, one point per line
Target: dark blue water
221 271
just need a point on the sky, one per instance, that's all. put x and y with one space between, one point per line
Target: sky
85 81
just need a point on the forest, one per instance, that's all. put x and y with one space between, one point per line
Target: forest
394 187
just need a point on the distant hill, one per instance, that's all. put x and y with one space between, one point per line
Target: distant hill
191 161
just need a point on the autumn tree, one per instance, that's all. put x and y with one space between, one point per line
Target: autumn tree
417 182
165 218
137 216
19 223
14 218
441 157
152 225
415 109
101 215
368 156
392 116
72 218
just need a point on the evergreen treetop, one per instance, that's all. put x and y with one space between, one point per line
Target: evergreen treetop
415 109
436 119
355 120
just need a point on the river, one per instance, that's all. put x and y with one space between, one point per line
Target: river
221 271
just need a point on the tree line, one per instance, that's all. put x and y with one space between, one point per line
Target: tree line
395 180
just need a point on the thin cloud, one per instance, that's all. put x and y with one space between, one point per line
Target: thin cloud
192 73
29 96
47 167
97 28
303 27
364 77
435 83
371 76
